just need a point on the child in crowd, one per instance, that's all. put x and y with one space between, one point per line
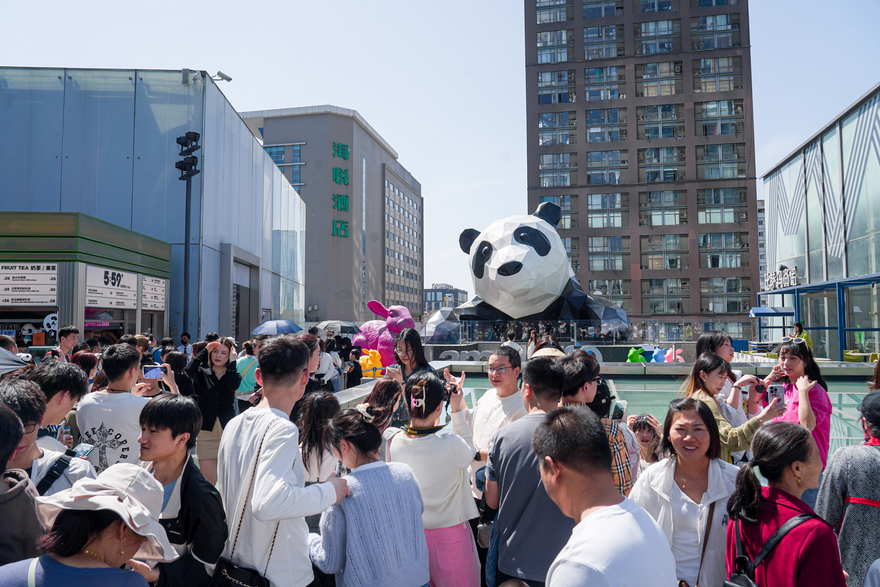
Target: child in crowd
647 431
440 464
375 536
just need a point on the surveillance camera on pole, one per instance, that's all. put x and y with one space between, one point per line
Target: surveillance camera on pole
189 144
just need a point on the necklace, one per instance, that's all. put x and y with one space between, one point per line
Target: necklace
90 553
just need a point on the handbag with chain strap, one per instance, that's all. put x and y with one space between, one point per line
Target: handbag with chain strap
227 573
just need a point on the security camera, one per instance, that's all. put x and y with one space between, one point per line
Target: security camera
223 76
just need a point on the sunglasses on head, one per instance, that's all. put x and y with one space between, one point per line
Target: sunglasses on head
794 340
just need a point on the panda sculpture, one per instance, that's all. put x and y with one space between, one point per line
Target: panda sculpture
521 271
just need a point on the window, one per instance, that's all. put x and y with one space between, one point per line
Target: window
603 41
276 153
296 152
554 11
666 296
659 79
721 205
572 250
602 8
721 74
662 164
567 203
662 208
607 210
604 83
557 128
657 36
556 87
723 117
557 169
708 3
608 253
648 6
605 126
723 161
606 167
295 175
658 261
556 46
724 250
717 31
610 287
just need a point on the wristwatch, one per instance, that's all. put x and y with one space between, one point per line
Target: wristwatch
477 456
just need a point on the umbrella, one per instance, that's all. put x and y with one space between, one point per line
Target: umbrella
439 330
273 327
339 327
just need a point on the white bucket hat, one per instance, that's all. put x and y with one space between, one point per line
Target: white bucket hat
126 489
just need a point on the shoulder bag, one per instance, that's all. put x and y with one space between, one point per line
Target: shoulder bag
743 574
227 573
705 543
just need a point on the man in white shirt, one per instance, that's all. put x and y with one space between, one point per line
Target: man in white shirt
185 347
50 471
511 337
110 419
279 500
614 542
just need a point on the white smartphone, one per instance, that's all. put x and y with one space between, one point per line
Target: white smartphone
778 391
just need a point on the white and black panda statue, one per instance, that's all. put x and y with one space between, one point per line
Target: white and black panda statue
521 272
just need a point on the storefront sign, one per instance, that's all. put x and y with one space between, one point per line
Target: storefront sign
110 288
32 284
153 292
781 279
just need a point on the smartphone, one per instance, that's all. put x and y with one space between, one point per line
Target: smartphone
154 371
82 450
62 432
778 391
619 410
394 367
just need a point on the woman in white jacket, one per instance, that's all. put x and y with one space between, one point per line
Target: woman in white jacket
688 491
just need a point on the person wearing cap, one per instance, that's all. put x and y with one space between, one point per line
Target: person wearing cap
849 495
21 526
97 526
192 511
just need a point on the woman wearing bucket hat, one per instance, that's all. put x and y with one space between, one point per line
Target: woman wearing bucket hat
97 526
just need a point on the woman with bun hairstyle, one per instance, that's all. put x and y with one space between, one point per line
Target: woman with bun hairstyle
386 395
375 535
787 457
440 464
704 383
215 380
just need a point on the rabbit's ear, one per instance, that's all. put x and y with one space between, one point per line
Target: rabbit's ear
377 308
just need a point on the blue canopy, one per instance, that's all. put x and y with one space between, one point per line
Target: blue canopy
765 312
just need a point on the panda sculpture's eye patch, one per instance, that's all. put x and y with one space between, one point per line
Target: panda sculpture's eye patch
534 238
482 256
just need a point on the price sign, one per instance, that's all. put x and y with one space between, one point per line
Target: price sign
153 293
28 284
110 288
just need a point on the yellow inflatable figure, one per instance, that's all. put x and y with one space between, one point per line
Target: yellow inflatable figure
371 363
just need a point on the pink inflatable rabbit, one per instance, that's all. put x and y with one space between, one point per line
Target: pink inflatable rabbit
381 335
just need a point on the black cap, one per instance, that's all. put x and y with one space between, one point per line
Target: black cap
870 408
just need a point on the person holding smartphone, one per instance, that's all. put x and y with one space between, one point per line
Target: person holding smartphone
806 398
410 360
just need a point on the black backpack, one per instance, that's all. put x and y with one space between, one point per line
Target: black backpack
743 574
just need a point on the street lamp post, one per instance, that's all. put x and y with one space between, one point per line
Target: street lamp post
189 144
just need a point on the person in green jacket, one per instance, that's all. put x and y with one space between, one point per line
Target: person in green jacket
799 332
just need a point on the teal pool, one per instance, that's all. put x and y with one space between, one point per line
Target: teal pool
652 395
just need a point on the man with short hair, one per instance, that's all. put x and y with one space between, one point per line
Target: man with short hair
94 346
166 343
614 542
279 499
63 384
8 343
185 347
531 529
109 419
581 380
18 506
192 511
67 337
511 338
51 471
211 337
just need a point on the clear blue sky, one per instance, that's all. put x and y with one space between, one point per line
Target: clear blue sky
443 83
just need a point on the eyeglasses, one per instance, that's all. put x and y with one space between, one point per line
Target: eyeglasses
794 340
402 351
499 370
28 428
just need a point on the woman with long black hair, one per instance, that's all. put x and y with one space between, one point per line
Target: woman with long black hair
411 360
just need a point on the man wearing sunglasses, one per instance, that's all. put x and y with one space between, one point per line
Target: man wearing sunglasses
581 380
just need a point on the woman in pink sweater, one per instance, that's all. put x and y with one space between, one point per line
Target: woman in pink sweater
440 464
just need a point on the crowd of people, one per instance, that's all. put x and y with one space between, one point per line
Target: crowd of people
211 463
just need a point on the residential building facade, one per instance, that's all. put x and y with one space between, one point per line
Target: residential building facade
443 295
365 210
640 126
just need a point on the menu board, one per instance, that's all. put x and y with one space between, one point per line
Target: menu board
110 288
153 293
28 284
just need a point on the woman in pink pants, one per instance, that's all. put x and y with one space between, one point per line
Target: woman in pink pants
440 464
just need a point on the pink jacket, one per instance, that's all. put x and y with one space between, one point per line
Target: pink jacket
806 557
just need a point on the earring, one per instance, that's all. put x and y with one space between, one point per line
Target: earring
799 480
121 552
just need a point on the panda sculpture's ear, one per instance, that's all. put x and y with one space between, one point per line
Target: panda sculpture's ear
467 238
549 212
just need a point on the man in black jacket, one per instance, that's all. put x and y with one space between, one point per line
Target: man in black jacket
192 511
